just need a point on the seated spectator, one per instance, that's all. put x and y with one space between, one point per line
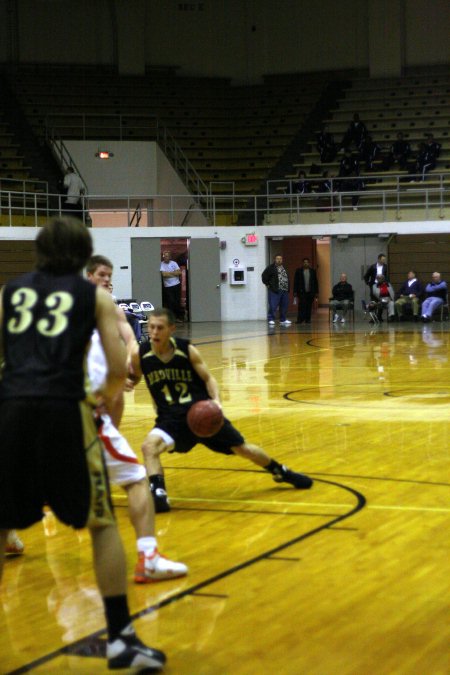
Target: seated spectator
355 133
426 158
323 185
348 166
326 145
399 153
349 169
436 295
383 294
342 297
301 186
432 146
409 294
369 151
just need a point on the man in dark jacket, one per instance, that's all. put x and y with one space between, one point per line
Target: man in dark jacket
276 279
409 294
342 297
306 288
380 267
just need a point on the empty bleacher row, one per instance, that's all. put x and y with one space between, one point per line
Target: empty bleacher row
230 134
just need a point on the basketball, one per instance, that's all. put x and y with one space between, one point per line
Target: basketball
205 418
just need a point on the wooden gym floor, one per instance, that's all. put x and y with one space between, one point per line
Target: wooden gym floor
350 577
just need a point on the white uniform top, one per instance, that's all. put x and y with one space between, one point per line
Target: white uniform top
170 267
121 462
96 362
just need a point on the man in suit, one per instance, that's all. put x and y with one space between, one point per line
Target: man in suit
409 294
306 288
375 270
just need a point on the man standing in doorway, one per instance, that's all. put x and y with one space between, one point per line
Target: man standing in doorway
306 288
276 279
171 278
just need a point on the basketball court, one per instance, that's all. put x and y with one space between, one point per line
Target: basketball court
347 578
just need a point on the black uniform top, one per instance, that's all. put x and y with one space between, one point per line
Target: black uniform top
47 324
175 385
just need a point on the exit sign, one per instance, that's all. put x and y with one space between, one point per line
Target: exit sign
250 239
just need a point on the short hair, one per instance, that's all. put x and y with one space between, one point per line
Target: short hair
381 255
96 261
306 258
413 271
164 311
63 246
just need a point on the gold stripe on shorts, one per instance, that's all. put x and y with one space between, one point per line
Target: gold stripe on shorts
101 509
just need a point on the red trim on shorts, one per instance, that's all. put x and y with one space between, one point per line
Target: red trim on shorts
113 452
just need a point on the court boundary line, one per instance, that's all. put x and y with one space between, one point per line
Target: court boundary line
78 644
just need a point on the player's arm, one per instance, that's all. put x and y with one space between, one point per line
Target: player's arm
113 346
203 372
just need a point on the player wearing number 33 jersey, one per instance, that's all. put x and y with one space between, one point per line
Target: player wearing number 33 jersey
37 311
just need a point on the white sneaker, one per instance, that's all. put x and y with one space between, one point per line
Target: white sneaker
271 323
156 567
285 323
342 320
336 318
14 543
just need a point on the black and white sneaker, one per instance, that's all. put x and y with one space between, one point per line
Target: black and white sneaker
127 651
160 499
298 480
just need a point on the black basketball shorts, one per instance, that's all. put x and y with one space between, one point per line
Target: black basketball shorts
226 438
50 454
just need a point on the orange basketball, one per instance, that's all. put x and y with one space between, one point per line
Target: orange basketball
205 418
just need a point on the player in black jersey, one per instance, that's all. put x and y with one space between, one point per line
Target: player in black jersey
49 448
177 377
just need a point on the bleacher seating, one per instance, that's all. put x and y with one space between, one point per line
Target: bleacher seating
230 134
415 106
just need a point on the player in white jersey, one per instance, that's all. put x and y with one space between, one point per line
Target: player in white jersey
122 464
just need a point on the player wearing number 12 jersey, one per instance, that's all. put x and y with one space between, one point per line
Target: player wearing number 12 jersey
177 377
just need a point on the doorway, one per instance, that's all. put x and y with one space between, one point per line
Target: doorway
293 250
179 252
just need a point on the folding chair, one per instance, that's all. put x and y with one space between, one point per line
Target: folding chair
370 312
443 310
350 308
146 306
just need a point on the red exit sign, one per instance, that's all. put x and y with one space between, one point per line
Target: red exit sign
251 239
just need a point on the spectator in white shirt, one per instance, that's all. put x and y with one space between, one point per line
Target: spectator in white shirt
75 188
171 278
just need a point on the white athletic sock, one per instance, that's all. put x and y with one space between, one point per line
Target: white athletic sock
146 544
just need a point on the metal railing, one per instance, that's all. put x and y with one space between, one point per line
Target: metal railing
32 208
122 127
61 154
396 183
